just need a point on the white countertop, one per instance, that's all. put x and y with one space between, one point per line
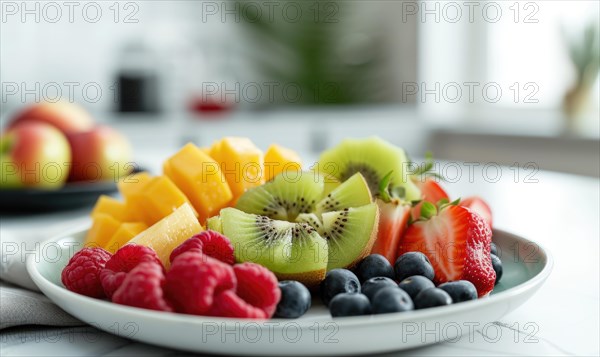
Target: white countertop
559 211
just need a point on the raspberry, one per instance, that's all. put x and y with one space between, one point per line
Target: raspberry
209 242
124 260
229 304
193 281
143 287
82 274
257 286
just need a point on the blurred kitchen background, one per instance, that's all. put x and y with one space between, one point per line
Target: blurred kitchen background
483 81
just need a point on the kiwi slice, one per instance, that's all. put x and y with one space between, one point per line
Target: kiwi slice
284 198
374 158
350 234
215 224
290 250
311 219
353 192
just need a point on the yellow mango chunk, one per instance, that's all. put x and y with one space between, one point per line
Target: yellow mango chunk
170 232
241 162
160 198
133 184
102 230
132 188
124 234
199 177
110 206
279 159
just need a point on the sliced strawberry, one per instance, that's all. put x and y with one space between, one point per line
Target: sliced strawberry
394 213
393 220
431 191
479 206
457 242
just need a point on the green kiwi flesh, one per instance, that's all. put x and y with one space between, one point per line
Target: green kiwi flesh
374 158
354 192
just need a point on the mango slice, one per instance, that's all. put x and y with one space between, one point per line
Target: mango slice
124 234
170 232
200 178
241 162
279 159
110 206
160 198
103 228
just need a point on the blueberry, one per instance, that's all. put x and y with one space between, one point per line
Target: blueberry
349 304
295 300
460 290
373 285
391 299
415 284
413 263
338 281
497 264
373 266
494 249
431 298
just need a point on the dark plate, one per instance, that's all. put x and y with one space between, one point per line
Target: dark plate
72 195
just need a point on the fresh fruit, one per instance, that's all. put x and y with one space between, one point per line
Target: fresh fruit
169 232
282 199
295 300
497 265
195 279
279 159
373 285
228 304
241 163
124 234
215 224
460 290
101 153
110 206
338 281
391 299
494 249
374 265
413 263
82 273
257 286
350 234
394 213
121 263
103 229
349 304
413 285
143 287
354 192
200 178
211 243
457 243
34 155
347 215
431 191
159 198
431 298
479 206
293 251
374 158
67 117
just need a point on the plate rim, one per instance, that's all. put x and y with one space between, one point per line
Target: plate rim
42 283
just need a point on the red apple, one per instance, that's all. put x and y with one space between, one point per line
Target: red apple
67 117
100 154
34 155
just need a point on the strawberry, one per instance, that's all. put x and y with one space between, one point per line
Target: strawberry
394 213
479 206
431 191
457 242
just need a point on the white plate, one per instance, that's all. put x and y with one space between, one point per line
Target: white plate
526 267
